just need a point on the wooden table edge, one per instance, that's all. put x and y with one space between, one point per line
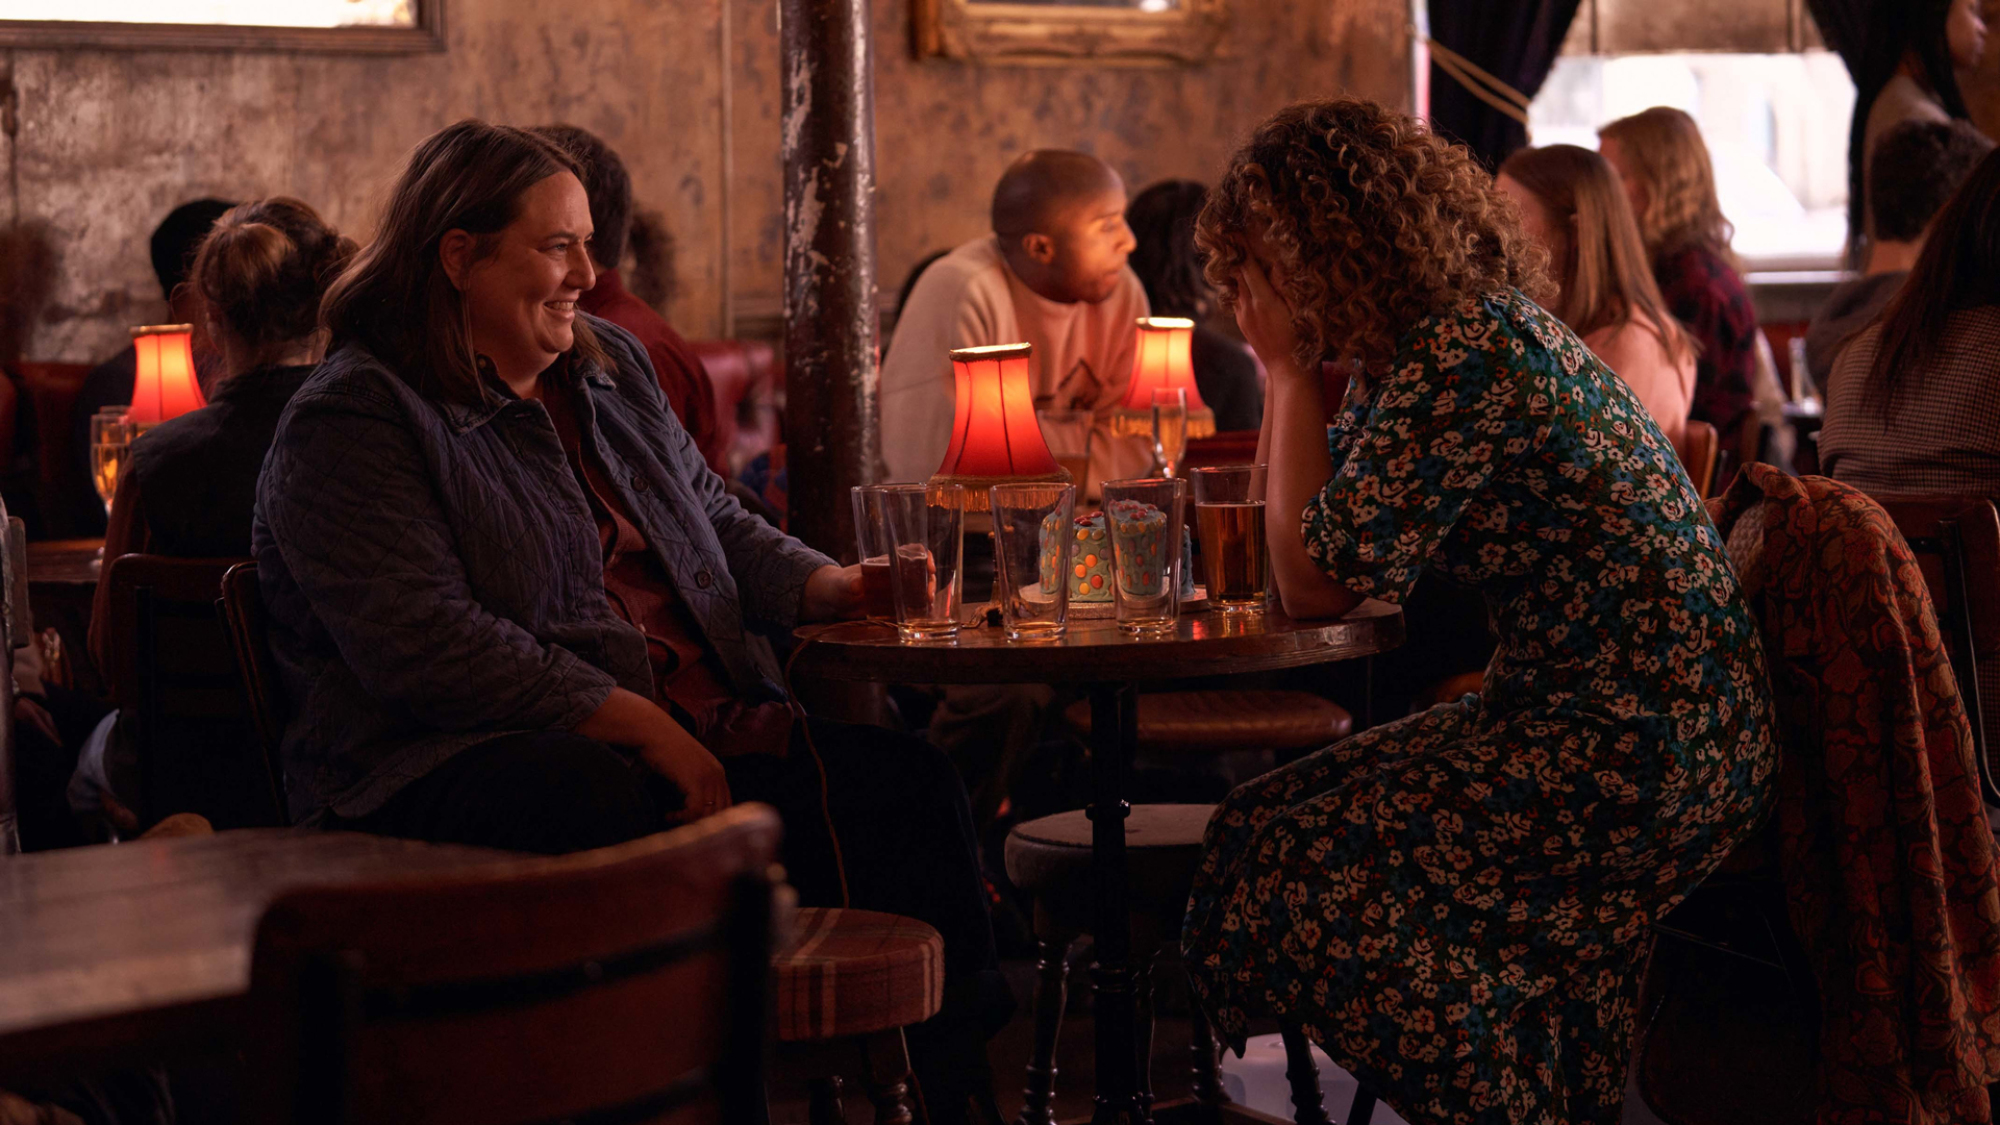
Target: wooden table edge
1377 627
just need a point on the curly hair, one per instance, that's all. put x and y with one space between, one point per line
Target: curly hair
1376 221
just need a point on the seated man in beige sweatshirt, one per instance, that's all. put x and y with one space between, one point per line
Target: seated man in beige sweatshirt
1051 274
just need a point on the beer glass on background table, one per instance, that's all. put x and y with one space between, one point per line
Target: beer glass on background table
1034 534
1068 434
926 525
1142 518
110 437
1170 428
1229 521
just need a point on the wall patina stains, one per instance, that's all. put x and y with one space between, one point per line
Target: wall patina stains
109 141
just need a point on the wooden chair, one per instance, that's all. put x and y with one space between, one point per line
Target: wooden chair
627 984
263 695
1957 543
170 670
1698 455
848 983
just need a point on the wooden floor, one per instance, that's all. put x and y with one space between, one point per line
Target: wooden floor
1010 1049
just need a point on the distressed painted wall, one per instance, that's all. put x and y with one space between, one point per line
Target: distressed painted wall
945 130
109 141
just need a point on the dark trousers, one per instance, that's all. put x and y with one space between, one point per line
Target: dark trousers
898 813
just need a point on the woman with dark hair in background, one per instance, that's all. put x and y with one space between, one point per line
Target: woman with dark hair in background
1663 163
1169 266
683 379
1572 204
1458 906
512 606
1914 403
1906 73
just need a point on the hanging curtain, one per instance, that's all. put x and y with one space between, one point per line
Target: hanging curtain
1844 25
1514 43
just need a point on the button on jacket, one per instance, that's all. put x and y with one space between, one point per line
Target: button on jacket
435 578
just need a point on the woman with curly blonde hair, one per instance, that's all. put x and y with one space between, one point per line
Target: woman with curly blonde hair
1457 905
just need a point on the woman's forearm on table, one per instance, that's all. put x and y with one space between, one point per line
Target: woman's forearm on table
1300 468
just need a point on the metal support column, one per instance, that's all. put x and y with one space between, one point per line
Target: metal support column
832 433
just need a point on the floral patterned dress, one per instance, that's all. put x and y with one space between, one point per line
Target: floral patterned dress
1458 906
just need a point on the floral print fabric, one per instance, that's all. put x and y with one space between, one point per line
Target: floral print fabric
1458 906
1887 858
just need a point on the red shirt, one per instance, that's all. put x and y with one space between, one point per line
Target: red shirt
679 370
687 680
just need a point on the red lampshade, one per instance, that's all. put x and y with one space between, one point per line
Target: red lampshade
165 387
995 437
1162 358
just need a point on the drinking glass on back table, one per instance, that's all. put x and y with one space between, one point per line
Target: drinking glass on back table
110 436
1170 426
1034 532
1229 521
1143 519
926 526
1067 433
871 541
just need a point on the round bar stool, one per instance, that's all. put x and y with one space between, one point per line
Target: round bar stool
1050 860
847 986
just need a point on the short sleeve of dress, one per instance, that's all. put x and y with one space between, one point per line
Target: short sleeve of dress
1469 392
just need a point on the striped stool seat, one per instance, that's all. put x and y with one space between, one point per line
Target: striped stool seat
1212 722
856 972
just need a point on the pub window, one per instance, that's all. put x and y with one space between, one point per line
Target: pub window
366 26
1772 102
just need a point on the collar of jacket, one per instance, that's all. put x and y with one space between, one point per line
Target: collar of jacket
464 417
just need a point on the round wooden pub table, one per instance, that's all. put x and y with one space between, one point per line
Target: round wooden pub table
1095 654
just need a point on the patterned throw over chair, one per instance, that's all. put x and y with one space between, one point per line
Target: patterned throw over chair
1883 844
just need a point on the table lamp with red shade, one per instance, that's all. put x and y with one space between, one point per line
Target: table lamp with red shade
164 385
1162 359
995 437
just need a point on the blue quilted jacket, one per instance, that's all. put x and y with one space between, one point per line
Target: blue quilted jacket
435 579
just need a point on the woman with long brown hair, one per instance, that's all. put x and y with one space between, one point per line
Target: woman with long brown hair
514 607
1457 905
1914 403
1571 203
1663 163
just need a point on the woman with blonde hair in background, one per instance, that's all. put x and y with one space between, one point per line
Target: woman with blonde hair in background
1661 160
1572 204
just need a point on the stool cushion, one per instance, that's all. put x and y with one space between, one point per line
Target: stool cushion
1220 721
1049 858
853 972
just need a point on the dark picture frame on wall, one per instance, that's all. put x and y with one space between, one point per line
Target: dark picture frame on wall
424 32
1116 32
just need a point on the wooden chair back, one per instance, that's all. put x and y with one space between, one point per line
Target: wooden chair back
1698 453
170 670
1956 540
627 984
263 694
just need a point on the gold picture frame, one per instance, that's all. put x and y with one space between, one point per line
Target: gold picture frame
1030 34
